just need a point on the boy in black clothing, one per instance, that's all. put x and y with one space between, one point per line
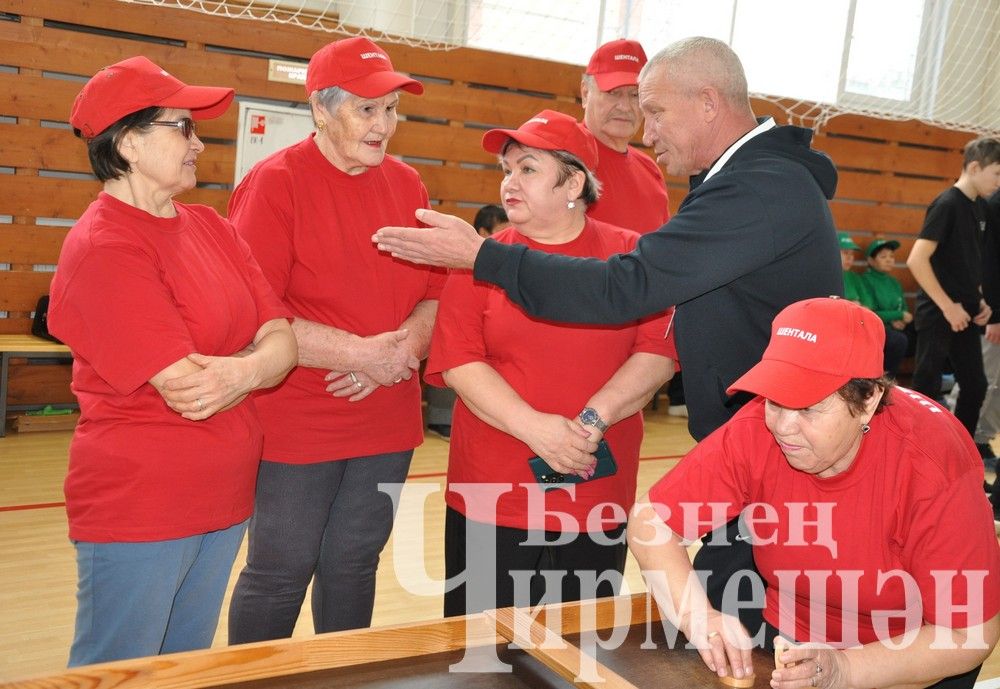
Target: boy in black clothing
946 262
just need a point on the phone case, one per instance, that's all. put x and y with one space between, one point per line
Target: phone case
548 478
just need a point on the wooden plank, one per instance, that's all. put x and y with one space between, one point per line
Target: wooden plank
30 423
45 148
436 141
20 289
50 98
30 343
34 383
909 131
14 325
867 155
485 106
553 652
229 665
460 184
30 243
887 189
852 217
45 197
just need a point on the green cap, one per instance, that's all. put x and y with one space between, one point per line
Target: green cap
846 242
874 247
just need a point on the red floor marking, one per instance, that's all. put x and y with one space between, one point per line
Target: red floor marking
439 474
41 506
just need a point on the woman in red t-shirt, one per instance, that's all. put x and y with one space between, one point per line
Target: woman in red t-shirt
532 387
863 504
171 324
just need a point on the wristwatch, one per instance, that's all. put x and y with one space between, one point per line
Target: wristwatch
590 417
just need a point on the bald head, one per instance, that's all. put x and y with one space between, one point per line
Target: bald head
693 63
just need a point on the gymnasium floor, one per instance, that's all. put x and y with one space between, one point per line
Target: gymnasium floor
37 568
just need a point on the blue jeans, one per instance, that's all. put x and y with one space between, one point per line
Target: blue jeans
326 521
143 599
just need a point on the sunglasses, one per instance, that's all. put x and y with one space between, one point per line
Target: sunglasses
185 124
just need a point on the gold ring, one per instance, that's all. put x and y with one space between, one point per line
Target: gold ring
201 405
712 634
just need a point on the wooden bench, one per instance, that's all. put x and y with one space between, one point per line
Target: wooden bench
23 347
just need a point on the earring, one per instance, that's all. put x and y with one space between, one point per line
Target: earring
865 428
571 205
321 125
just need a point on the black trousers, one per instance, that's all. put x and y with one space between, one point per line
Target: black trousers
937 344
481 577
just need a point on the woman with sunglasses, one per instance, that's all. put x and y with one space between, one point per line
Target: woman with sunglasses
172 325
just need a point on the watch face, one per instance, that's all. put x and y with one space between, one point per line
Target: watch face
588 416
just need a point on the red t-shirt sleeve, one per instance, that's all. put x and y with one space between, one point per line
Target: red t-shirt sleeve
655 335
265 225
458 330
947 554
117 289
269 306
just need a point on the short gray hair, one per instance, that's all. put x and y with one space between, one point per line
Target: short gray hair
699 61
569 164
332 97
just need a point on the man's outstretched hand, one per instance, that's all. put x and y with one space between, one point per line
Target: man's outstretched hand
447 241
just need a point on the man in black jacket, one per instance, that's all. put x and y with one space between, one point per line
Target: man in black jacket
754 235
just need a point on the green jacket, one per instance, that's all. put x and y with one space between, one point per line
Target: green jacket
855 289
886 294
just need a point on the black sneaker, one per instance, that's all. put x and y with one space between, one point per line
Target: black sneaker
441 430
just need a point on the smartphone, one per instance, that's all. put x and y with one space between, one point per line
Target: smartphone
548 478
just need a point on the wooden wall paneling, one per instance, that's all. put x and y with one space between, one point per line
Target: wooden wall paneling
46 197
486 106
460 184
49 197
35 97
30 244
20 289
882 156
906 131
440 142
851 217
892 190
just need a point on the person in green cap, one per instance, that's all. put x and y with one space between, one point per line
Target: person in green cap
887 295
854 287
857 289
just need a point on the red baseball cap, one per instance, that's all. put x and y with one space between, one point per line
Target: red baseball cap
550 131
359 66
617 63
137 83
816 346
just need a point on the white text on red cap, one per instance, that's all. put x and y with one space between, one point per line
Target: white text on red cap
796 332
626 56
541 120
369 56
